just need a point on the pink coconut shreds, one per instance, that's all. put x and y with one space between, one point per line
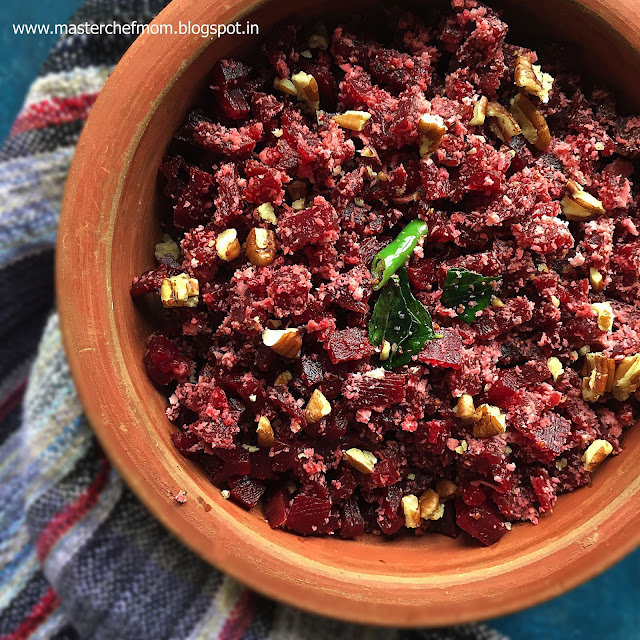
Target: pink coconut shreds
254 156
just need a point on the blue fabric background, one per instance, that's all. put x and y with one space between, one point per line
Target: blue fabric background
605 608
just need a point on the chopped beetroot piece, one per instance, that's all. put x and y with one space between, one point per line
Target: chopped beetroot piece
432 436
317 224
504 388
551 435
483 171
510 381
435 180
265 183
472 495
332 386
481 522
218 433
352 522
544 488
348 344
337 422
385 473
289 290
232 103
229 200
369 247
235 462
284 456
333 523
206 398
261 465
193 206
264 357
308 514
228 73
218 422
392 500
352 290
344 485
422 273
494 323
326 82
391 524
517 504
446 525
443 352
237 407
312 373
186 443
323 259
200 256
247 387
317 489
545 433
176 171
164 361
265 107
362 391
286 404
151 281
543 235
277 508
228 141
246 491
500 478
394 186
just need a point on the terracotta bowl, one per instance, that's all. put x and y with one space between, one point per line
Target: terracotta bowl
107 235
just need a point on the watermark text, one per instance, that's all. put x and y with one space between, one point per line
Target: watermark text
136 28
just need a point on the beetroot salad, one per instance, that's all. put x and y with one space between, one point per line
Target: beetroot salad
399 278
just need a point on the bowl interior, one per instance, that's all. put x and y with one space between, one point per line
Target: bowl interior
409 581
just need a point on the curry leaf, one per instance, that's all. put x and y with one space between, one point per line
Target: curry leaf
467 292
401 320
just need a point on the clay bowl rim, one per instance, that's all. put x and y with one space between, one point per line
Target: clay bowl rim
601 552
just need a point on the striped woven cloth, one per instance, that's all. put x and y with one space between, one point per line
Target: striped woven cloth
80 557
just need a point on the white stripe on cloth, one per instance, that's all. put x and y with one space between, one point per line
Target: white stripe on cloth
54 432
30 195
18 560
67 84
14 583
73 540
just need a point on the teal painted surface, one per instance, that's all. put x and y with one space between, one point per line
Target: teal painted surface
607 608
23 55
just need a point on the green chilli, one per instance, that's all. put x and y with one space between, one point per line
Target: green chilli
396 253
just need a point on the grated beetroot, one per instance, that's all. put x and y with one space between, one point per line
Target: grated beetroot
254 157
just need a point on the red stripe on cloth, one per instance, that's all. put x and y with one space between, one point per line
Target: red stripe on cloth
40 612
12 400
73 512
53 111
240 617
